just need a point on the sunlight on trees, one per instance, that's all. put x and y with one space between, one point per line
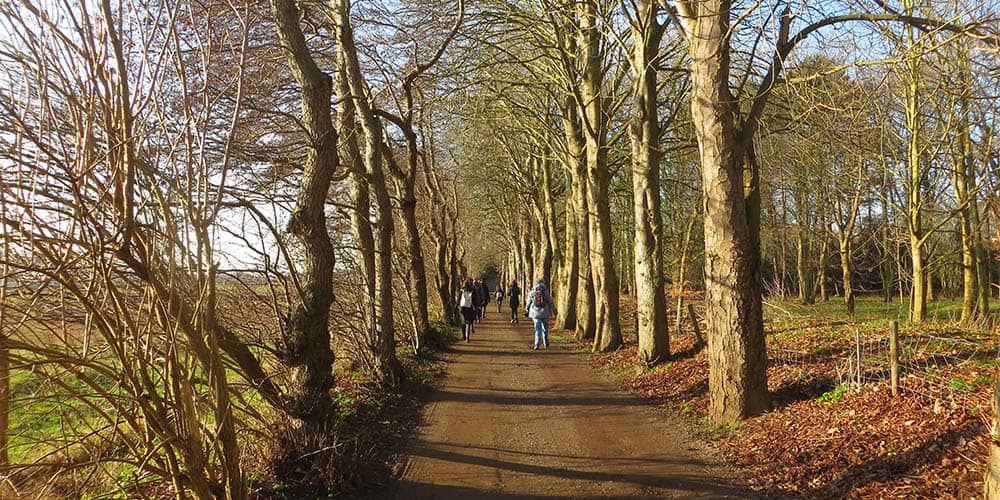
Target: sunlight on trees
213 213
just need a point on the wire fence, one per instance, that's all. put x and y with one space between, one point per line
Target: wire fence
953 371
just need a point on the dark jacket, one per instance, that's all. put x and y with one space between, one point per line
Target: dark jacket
479 295
484 289
514 293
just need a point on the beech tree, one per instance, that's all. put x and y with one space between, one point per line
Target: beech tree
594 116
737 356
647 31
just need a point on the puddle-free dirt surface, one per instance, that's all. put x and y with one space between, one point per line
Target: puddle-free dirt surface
512 422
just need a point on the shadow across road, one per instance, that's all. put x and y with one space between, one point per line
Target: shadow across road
512 422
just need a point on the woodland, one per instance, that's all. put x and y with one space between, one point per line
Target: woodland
232 233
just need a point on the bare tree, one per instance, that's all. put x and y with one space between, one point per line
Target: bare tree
306 343
647 31
117 132
382 341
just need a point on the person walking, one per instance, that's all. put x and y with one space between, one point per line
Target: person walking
485 291
499 295
540 307
478 299
466 301
514 293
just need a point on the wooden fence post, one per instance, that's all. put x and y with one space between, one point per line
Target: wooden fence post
894 357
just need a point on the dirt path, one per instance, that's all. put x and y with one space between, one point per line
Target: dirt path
511 422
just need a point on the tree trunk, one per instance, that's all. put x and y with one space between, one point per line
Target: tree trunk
737 355
982 268
360 201
306 337
607 335
543 242
417 287
807 293
918 290
586 309
915 183
549 208
885 266
566 301
456 272
970 270
651 306
682 272
845 268
963 180
821 259
4 350
444 274
991 486
382 342
530 251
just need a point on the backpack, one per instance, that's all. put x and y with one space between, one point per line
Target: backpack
466 298
539 298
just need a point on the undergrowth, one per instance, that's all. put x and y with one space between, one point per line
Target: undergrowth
360 450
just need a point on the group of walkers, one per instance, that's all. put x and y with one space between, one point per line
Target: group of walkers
473 298
539 306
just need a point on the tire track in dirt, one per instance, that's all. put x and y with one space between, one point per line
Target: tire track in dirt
512 422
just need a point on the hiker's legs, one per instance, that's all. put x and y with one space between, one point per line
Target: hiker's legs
467 316
539 332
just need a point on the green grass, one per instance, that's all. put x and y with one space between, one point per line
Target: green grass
866 309
42 412
833 395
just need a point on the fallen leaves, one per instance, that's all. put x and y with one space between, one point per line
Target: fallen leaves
860 443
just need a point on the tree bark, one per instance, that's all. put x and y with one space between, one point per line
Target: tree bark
4 350
360 199
568 297
382 342
566 301
964 182
651 306
824 293
418 270
915 183
846 269
608 330
306 339
549 208
737 355
586 309
807 294
682 273
445 276
991 480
